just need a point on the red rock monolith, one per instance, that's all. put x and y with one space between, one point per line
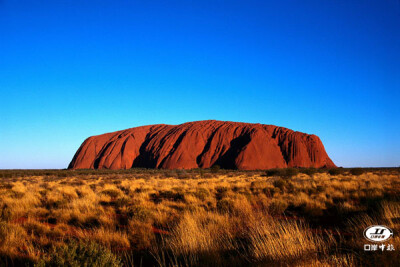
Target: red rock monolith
202 144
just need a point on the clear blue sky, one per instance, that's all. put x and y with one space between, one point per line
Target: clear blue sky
72 69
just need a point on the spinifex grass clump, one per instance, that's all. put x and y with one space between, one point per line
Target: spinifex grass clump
202 218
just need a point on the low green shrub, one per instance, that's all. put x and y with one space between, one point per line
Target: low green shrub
76 254
273 172
215 168
335 171
356 171
309 171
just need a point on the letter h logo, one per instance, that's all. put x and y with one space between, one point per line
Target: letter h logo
379 231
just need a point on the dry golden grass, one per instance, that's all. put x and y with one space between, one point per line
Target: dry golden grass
230 218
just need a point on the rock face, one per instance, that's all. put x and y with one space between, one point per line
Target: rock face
202 144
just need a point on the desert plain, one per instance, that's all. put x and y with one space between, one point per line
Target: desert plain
198 217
